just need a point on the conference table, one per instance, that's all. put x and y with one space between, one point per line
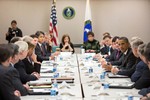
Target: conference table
86 85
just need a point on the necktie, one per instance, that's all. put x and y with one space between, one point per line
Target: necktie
42 49
117 56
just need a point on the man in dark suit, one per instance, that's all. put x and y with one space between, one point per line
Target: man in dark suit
15 74
7 90
129 71
40 50
114 58
128 59
106 49
146 51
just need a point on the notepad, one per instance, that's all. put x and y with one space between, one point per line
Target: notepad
121 85
110 75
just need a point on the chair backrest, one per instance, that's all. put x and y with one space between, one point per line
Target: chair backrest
54 48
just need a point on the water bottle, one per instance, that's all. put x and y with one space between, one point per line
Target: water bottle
90 70
54 89
130 97
82 50
102 77
106 85
56 75
54 68
104 74
55 84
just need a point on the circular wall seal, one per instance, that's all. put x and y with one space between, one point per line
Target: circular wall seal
68 13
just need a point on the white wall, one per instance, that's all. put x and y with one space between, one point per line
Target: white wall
119 17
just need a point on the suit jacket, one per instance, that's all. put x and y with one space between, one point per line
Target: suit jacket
24 77
128 60
41 55
48 48
17 82
140 68
30 68
6 87
129 72
105 50
143 81
113 59
144 91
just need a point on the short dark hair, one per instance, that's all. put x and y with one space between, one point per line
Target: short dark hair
125 39
115 38
90 33
106 33
147 51
107 36
14 21
5 52
38 33
15 39
34 36
64 36
14 48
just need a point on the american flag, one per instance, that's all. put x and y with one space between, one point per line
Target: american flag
53 24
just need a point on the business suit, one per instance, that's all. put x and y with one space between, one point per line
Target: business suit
106 49
31 67
129 72
48 48
6 87
143 81
41 54
144 91
114 57
16 81
24 77
128 60
140 68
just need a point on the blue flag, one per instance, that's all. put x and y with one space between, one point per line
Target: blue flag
88 21
87 28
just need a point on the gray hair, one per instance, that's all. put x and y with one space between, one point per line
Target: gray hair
23 46
141 48
147 51
27 38
136 42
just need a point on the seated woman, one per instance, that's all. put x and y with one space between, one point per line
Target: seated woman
91 45
66 45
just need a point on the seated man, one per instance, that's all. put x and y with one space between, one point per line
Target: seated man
127 60
15 74
106 49
20 66
91 45
7 90
113 59
40 50
129 72
145 91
